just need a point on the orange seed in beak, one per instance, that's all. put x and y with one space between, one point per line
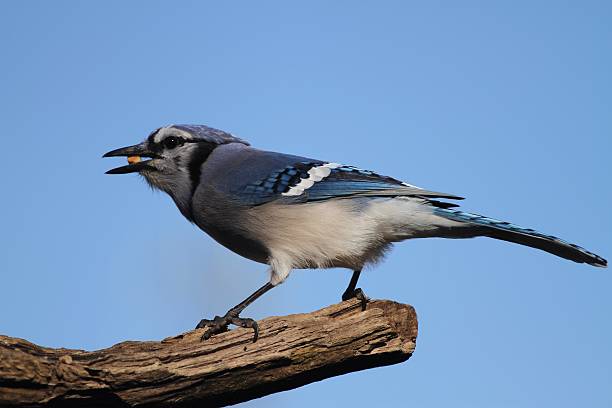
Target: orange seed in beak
133 159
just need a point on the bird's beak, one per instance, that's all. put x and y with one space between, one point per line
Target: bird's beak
133 153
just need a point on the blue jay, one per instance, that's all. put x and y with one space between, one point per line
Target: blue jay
294 212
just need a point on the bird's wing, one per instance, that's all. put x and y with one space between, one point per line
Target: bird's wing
309 181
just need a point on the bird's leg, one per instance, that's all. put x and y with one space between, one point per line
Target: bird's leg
352 292
219 323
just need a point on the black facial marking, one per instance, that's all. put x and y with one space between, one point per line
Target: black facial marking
199 156
151 137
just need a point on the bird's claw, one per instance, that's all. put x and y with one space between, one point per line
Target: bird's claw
358 294
220 324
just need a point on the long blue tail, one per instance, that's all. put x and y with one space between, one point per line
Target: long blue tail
479 225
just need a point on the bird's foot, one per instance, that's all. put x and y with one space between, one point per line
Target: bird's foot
358 294
220 324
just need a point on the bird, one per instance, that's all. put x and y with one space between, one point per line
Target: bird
292 212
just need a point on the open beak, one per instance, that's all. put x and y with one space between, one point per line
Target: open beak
133 153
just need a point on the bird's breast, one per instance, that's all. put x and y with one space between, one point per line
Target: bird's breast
225 225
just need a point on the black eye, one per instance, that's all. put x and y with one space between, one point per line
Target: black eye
171 142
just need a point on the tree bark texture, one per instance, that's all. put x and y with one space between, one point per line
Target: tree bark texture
184 371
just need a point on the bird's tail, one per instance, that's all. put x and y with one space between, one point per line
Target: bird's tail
478 225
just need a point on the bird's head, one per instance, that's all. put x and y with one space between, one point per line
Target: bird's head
170 158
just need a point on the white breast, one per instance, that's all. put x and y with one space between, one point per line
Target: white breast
336 233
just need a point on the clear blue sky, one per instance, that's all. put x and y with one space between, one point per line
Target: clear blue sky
506 103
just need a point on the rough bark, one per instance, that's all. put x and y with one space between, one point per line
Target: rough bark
183 371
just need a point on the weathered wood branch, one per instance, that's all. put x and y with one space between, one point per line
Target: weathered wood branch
183 371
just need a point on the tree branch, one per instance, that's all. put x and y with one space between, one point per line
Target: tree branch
183 371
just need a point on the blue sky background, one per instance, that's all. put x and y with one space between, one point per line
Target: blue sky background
505 103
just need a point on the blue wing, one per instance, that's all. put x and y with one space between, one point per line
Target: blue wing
310 181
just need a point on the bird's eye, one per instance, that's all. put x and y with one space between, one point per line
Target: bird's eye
171 142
